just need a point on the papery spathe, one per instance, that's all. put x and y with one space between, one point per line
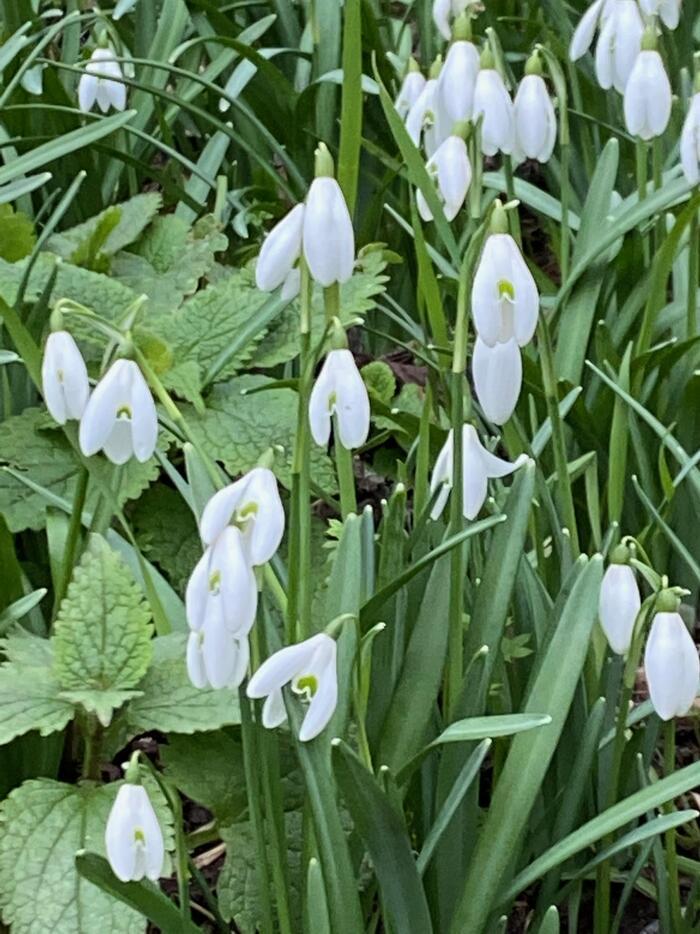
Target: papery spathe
457 80
451 169
497 373
505 300
102 82
619 44
215 658
223 586
671 665
133 838
647 101
328 239
690 142
492 100
339 390
478 466
280 251
252 504
310 667
64 378
120 417
618 606
535 121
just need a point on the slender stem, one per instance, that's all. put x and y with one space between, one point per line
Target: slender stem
510 191
565 241
642 171
73 537
455 654
252 780
92 735
346 474
566 501
671 854
208 895
331 300
693 263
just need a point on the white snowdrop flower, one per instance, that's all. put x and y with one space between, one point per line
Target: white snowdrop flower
102 82
497 373
421 111
253 505
690 142
120 417
457 80
64 378
618 606
215 658
535 121
310 667
133 838
280 251
328 239
410 90
583 35
668 10
339 390
671 665
427 120
647 101
478 466
452 171
223 586
492 100
505 300
619 44
291 285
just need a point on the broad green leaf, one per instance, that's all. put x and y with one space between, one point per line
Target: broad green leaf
30 700
530 753
133 217
102 636
167 534
17 235
384 833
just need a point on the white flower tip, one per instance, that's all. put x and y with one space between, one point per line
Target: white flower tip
336 741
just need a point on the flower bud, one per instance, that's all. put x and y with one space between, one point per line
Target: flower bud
618 606
671 665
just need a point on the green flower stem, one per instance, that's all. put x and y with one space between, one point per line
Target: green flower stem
346 474
92 736
477 172
566 501
455 652
671 855
693 264
299 604
565 240
72 538
642 184
510 191
252 781
331 301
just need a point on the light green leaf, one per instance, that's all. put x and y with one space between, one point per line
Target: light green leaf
134 216
380 380
29 700
167 533
17 235
102 636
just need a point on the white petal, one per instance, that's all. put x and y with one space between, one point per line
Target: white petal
64 378
497 374
442 476
321 708
629 29
458 79
454 174
413 84
144 421
352 401
238 590
690 142
604 52
535 122
240 669
219 652
493 101
195 660
424 104
119 835
154 846
474 480
280 250
671 666
274 713
618 605
111 395
422 205
647 102
485 297
291 285
119 447
197 592
219 510
670 11
584 32
87 92
281 667
527 298
268 524
320 406
328 238
117 94
441 17
495 467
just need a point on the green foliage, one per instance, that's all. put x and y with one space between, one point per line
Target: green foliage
17 235
167 533
116 227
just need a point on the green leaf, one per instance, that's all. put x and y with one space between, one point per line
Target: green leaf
170 703
17 235
166 532
132 218
102 636
20 608
380 380
384 834
145 896
42 825
30 700
238 427
530 753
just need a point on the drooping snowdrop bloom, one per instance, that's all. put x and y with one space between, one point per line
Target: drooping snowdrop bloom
492 101
421 111
280 251
647 101
102 82
671 665
328 239
310 667
618 605
427 120
619 44
583 35
133 838
497 373
505 300
690 142
478 466
64 378
222 586
535 122
253 505
410 90
457 80
452 171
120 417
215 658
668 10
339 390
